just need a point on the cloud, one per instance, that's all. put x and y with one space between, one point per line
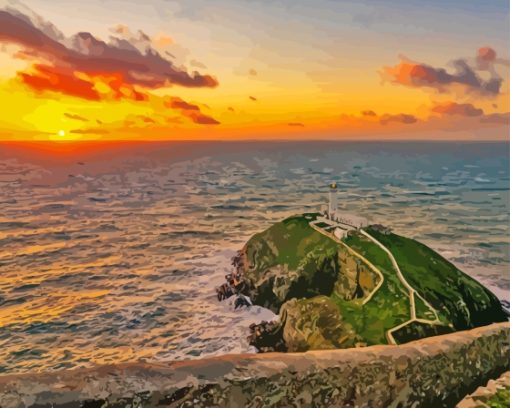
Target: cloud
252 98
59 79
369 113
75 117
399 118
84 53
252 72
44 78
415 74
460 109
90 131
197 64
296 124
146 119
82 66
486 54
497 118
164 40
191 111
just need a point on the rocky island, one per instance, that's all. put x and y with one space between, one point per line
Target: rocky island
336 285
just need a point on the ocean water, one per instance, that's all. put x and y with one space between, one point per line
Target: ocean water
111 252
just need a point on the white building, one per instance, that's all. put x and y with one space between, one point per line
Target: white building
342 218
333 203
352 220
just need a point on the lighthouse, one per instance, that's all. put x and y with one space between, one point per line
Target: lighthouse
333 204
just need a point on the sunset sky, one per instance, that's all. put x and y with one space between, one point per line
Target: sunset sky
240 69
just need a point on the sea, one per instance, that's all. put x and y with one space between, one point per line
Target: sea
111 252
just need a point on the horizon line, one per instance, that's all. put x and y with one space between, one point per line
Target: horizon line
363 140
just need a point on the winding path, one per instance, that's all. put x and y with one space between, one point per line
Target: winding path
412 292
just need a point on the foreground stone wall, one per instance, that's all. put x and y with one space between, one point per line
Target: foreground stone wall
433 372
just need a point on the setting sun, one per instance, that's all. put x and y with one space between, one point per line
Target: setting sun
61 133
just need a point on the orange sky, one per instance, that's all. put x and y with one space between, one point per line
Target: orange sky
244 70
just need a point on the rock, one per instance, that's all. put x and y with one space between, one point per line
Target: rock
241 301
348 293
268 336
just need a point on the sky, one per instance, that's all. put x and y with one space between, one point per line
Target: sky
246 69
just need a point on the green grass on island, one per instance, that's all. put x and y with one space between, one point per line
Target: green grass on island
309 265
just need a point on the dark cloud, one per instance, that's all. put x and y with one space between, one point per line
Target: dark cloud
252 72
75 117
231 109
414 74
460 109
252 98
91 131
398 118
146 119
296 124
86 54
497 118
368 113
191 111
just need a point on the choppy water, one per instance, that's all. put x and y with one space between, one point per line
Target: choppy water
111 253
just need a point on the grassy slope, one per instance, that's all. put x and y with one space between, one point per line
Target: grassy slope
388 307
287 243
457 297
294 243
501 399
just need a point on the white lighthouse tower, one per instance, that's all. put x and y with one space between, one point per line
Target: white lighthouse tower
333 203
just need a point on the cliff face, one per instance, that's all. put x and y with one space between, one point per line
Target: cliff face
291 260
433 372
371 287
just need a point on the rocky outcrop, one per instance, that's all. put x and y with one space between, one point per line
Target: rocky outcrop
291 260
355 280
341 293
433 372
327 329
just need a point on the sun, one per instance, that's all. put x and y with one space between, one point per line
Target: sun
61 133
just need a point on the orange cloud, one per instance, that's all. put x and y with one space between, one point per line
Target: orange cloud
191 111
94 57
75 117
47 78
62 80
461 109
82 66
163 41
413 74
403 118
486 54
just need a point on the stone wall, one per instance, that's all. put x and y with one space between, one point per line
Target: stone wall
433 372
